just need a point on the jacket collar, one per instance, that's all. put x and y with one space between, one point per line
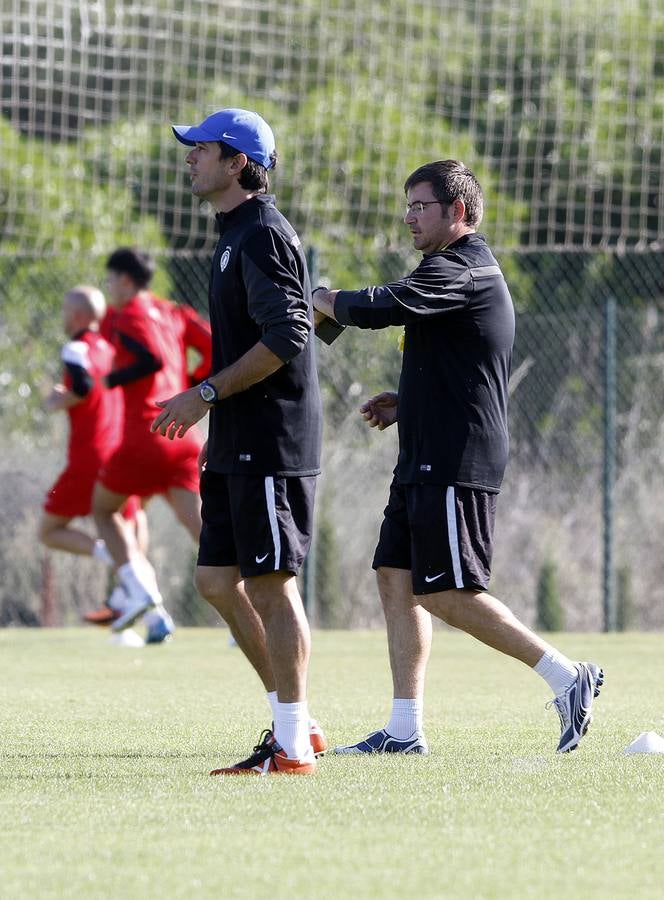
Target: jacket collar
243 211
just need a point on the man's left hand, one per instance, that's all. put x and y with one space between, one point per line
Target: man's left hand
179 413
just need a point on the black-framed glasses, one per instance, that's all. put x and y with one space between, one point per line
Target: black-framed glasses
418 206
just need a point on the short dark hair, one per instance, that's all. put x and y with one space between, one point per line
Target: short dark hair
137 264
254 176
451 180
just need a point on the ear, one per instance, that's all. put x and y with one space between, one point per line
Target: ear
459 210
126 284
238 162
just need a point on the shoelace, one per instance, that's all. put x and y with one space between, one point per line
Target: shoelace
561 708
262 740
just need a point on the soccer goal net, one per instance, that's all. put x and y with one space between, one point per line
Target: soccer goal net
559 107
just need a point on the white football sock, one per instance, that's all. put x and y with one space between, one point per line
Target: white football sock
134 581
273 700
118 599
291 729
557 670
406 718
100 552
155 615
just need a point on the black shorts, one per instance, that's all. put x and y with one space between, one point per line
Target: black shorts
261 523
444 535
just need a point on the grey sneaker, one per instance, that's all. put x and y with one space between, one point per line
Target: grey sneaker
382 742
575 704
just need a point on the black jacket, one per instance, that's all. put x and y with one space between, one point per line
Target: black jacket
459 332
260 291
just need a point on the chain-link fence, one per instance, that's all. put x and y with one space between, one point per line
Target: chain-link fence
582 489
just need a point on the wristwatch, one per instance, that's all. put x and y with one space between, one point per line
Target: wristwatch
208 392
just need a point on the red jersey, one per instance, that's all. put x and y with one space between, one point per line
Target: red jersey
106 325
195 334
144 329
150 365
95 422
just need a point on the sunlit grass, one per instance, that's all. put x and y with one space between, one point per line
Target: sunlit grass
105 792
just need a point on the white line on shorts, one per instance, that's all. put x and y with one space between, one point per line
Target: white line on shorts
272 515
453 536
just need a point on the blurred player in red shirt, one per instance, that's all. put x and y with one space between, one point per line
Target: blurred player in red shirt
95 424
149 336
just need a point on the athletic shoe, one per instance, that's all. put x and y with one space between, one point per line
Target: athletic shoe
269 759
160 627
111 610
317 739
575 704
382 742
126 638
134 611
102 616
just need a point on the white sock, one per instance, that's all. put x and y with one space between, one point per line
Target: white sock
155 615
134 581
100 552
273 700
557 670
118 599
291 729
406 718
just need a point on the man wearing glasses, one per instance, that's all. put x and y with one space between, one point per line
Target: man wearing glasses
436 540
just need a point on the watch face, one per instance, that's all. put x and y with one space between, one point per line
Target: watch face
208 393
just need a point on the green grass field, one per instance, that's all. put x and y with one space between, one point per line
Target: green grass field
105 792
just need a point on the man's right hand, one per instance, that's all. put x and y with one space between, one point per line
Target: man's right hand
380 411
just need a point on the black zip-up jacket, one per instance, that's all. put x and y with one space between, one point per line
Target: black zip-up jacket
260 291
459 332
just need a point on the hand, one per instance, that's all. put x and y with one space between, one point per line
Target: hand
179 413
323 300
56 399
381 411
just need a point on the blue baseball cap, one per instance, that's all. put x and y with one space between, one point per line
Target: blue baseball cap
239 128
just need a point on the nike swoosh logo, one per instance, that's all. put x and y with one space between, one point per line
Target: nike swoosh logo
231 136
430 578
262 559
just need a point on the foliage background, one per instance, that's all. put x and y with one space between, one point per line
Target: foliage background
560 111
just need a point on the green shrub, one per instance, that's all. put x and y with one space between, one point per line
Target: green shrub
550 615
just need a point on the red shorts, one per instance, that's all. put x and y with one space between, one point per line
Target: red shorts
153 465
71 495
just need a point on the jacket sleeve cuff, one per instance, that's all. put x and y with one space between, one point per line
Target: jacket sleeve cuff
342 304
282 347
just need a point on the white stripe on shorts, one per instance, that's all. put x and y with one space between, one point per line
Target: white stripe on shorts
272 515
453 536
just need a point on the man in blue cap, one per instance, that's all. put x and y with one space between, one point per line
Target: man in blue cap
263 451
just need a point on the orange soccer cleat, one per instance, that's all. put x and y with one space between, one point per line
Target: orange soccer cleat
102 616
317 738
269 759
